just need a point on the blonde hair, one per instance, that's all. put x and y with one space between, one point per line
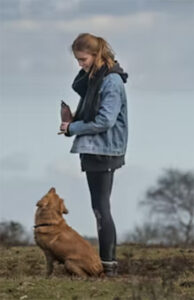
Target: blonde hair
97 47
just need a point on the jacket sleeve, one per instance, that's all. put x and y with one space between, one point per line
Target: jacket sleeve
109 109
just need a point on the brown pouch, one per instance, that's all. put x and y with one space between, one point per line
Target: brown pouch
66 115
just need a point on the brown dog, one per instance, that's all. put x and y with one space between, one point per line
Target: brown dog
60 242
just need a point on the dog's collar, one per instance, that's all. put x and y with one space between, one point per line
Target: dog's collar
44 224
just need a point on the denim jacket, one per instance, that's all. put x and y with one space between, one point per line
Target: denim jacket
108 133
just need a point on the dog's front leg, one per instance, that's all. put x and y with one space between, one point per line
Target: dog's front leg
49 261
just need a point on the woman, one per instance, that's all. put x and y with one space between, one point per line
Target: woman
101 130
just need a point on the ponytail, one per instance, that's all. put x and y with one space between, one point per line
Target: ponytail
96 46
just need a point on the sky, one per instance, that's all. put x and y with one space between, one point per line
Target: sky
154 43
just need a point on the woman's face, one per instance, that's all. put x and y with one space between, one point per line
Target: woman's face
84 59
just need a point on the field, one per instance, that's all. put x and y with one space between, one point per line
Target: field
145 273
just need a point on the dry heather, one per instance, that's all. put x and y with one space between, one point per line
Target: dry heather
145 273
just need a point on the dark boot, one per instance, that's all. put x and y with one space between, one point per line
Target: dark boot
110 268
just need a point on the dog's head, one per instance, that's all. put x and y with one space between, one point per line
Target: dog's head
52 201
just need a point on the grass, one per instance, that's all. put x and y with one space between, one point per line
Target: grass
145 273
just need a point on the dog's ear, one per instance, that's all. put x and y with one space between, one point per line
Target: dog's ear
52 190
63 208
43 202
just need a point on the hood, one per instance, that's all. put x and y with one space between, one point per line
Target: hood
117 69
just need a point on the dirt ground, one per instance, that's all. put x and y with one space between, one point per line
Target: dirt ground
145 273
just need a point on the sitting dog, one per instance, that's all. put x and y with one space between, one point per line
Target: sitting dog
60 242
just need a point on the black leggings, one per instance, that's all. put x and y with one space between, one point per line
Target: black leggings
100 185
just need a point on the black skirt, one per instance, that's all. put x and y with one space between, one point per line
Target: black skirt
94 162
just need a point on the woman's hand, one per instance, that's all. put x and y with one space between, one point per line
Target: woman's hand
64 126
